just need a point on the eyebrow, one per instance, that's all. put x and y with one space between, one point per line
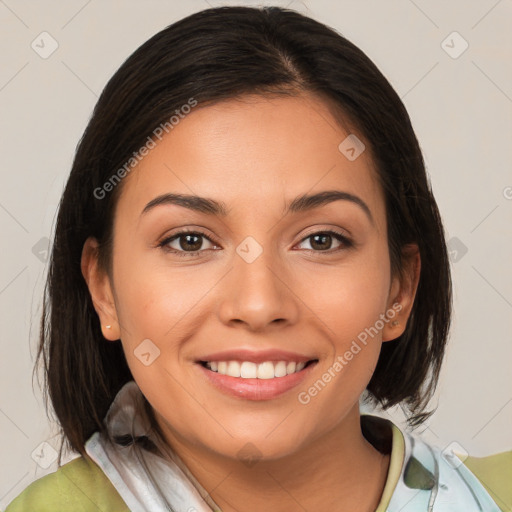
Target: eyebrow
299 204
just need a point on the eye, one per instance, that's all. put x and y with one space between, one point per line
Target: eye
191 243
321 241
186 243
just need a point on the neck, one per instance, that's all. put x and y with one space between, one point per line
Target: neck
347 470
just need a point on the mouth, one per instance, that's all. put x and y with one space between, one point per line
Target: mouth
250 370
261 378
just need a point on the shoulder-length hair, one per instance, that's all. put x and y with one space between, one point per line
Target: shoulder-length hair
212 55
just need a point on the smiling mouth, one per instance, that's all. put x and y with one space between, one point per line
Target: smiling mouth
250 370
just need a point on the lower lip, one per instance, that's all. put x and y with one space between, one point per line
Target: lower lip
255 389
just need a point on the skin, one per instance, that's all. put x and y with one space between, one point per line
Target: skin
255 155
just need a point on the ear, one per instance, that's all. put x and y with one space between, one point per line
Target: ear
100 289
402 293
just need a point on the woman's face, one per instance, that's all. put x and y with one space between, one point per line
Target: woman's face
257 286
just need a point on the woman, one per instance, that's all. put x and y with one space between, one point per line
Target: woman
247 245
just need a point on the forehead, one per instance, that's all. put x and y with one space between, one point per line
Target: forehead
253 153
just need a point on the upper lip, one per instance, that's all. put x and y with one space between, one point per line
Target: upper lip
258 356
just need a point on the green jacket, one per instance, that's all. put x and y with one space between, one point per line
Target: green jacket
78 486
81 486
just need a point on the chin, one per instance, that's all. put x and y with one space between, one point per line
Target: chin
249 449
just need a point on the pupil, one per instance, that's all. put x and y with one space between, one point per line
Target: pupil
191 245
323 244
321 241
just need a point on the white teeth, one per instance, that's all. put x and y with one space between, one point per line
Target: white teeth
233 369
266 370
249 370
280 369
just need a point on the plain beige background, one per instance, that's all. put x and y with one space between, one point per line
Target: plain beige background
457 88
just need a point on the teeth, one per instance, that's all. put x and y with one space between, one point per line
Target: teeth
266 370
249 370
233 369
280 369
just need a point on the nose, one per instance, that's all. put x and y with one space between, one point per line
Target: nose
258 295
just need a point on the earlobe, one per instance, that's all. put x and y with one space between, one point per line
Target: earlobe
100 289
402 294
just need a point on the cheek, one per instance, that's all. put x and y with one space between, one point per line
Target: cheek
349 302
153 299
349 297
161 305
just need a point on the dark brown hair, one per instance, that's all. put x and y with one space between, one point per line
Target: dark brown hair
217 54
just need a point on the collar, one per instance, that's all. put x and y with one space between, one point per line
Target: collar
143 471
386 437
150 477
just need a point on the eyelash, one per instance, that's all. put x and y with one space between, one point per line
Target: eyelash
347 243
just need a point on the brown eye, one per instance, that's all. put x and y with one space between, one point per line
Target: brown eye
323 240
187 243
190 242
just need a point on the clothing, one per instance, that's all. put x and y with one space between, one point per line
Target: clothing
421 478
